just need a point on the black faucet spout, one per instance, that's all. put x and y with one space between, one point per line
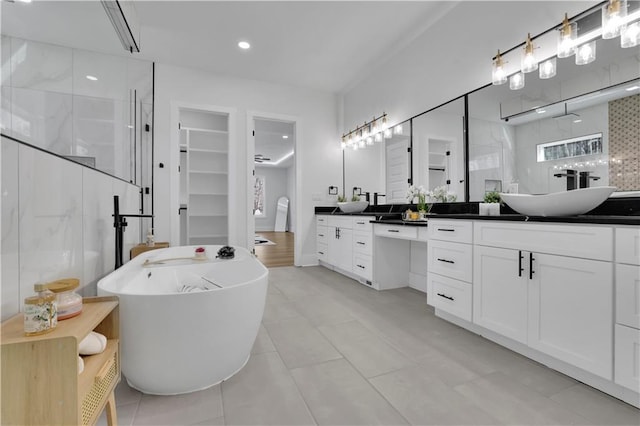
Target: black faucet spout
586 178
375 198
572 181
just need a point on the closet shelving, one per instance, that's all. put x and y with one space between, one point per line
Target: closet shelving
204 160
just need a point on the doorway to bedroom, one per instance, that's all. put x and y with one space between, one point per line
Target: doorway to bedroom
274 191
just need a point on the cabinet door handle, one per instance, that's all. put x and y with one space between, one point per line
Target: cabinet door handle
321 252
392 230
446 230
360 266
520 268
531 271
360 223
446 261
320 235
445 296
360 242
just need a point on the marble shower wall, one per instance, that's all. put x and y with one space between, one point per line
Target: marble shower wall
57 222
75 102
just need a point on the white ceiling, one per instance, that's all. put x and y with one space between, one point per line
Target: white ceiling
270 143
325 45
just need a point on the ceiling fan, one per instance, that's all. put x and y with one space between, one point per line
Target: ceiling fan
259 158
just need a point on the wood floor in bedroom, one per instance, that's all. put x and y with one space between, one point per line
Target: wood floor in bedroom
279 255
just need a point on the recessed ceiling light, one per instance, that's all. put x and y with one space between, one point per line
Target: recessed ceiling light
244 45
92 78
285 136
628 89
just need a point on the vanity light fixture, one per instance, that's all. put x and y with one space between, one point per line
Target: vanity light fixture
547 69
613 18
528 62
370 132
607 19
516 81
630 36
586 53
567 38
388 133
498 75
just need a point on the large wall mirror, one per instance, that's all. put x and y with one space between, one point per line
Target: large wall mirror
382 167
91 107
583 119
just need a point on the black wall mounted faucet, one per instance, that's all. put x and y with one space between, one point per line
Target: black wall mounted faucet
120 223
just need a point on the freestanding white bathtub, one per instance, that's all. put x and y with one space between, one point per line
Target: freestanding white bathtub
186 325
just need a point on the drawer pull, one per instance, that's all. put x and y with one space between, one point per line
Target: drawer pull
320 252
360 266
392 230
360 242
531 271
445 296
320 235
446 261
520 268
104 370
446 230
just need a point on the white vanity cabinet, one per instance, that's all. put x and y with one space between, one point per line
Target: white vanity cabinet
363 247
500 291
340 242
449 260
549 286
627 328
322 238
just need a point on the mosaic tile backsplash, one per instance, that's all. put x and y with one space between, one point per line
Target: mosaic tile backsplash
624 143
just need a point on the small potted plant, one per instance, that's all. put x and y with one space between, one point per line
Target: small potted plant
491 205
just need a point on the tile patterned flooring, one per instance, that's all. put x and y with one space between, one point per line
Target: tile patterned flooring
333 352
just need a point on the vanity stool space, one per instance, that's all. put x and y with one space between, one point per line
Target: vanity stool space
40 380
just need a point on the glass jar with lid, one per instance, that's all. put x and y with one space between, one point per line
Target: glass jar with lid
69 302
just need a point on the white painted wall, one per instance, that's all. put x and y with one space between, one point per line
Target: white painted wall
450 58
276 186
318 156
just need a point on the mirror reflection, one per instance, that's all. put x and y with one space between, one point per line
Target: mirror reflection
380 170
438 148
583 122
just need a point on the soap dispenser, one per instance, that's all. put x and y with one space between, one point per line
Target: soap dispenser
150 240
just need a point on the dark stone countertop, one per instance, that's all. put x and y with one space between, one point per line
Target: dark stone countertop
614 211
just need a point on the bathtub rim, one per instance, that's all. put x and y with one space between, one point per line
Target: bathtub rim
118 274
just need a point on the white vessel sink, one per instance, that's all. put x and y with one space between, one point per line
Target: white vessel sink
353 206
567 203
